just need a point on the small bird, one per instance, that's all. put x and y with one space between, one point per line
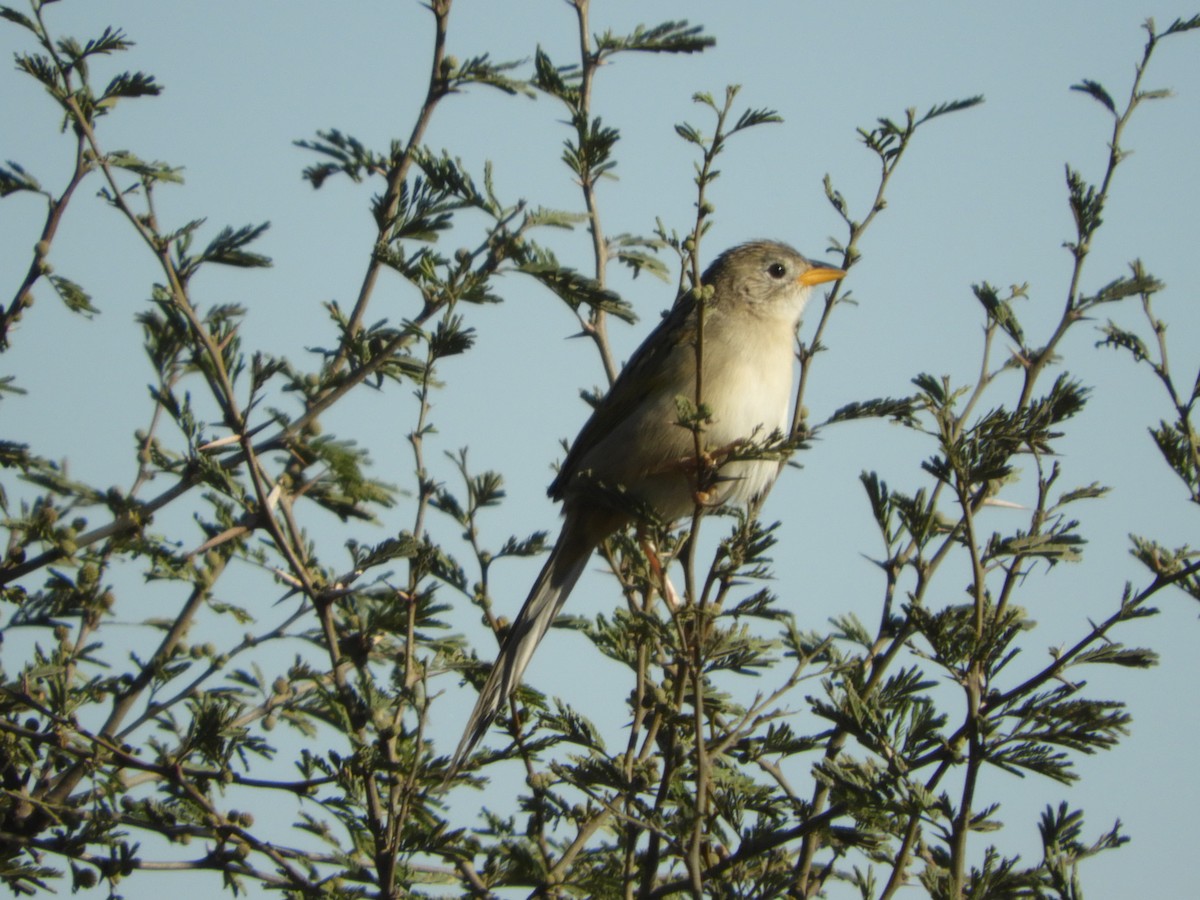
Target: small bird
634 442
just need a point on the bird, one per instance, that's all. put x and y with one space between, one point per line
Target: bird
634 441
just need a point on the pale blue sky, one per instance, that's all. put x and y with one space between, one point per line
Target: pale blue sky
980 197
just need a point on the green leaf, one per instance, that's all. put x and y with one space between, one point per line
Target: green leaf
902 410
951 106
669 37
1094 89
1053 547
426 204
1000 311
1140 283
7 12
835 198
575 288
690 134
1118 655
1115 336
112 40
631 250
1158 94
557 81
228 247
151 171
481 70
1086 203
76 298
8 385
403 546
751 117
14 178
42 68
530 546
129 84
1178 448
933 387
590 155
1091 492
451 338
878 496
349 157
553 218
344 489
1182 25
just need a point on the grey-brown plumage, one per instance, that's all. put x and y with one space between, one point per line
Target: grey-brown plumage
633 440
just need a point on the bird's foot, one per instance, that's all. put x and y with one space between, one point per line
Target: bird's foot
669 594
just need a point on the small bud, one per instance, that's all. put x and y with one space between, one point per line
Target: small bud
84 878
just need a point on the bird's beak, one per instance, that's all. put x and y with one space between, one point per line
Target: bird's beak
820 275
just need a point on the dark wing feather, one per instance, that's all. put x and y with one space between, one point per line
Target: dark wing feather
637 379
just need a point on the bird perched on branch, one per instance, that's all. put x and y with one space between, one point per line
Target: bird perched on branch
737 332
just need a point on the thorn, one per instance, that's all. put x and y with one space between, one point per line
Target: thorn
286 578
1005 504
220 442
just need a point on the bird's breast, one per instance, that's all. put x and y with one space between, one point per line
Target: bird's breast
748 386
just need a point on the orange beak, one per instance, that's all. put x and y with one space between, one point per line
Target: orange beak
820 275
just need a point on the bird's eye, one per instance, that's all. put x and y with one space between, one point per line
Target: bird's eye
776 270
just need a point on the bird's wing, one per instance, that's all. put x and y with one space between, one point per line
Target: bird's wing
641 377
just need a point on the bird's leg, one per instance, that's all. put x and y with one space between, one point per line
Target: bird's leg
670 595
704 471
718 456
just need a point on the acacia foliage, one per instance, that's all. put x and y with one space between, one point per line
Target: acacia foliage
168 752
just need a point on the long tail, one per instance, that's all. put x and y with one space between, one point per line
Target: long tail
549 593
